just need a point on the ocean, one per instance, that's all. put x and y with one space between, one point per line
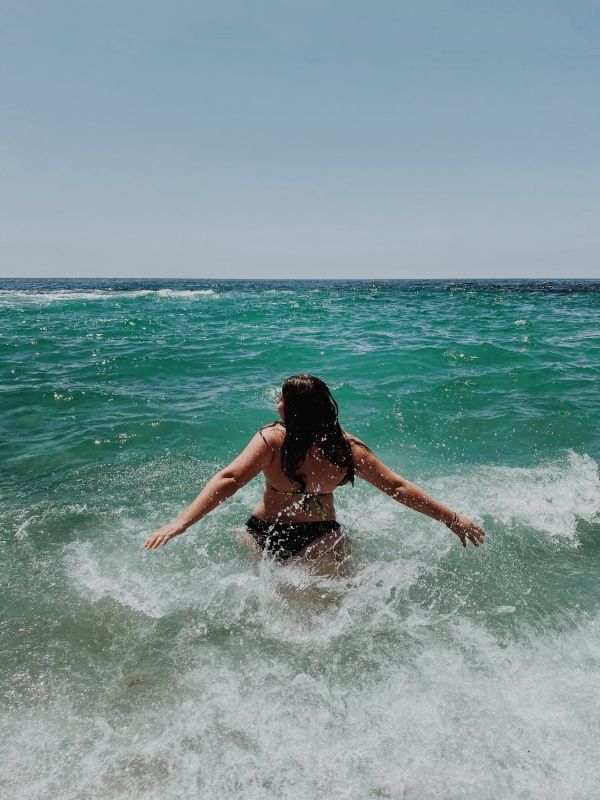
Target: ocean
195 671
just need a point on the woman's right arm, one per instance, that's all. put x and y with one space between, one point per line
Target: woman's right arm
371 469
252 460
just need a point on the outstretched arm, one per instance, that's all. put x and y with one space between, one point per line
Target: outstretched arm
371 469
252 460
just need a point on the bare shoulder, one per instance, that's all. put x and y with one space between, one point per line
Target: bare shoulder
359 448
273 434
369 466
353 439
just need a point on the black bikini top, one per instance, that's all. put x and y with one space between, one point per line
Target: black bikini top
310 500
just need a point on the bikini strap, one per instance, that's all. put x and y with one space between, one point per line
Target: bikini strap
304 494
277 422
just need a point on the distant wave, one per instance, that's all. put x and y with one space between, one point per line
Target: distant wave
9 296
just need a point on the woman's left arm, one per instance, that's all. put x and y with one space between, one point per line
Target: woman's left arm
253 459
371 469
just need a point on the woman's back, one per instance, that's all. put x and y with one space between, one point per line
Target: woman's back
283 499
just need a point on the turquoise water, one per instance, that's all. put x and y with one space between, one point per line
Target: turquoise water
431 672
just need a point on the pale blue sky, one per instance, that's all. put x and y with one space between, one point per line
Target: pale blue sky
300 139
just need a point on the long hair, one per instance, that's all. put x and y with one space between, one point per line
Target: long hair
311 416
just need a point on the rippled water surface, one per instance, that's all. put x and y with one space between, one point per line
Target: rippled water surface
194 671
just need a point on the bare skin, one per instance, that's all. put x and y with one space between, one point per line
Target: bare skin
263 454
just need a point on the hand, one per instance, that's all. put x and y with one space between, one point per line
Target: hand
465 529
162 536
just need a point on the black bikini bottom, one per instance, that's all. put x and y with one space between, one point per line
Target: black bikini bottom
285 539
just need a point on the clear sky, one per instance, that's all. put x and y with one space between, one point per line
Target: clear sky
300 139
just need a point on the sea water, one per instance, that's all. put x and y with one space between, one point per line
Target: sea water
196 671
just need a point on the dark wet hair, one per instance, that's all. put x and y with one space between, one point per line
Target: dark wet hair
311 416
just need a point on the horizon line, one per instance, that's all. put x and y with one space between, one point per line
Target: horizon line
313 280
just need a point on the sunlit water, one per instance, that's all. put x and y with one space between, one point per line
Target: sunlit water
196 671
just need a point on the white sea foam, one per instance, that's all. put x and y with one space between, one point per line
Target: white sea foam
456 717
184 292
222 677
112 577
15 297
549 497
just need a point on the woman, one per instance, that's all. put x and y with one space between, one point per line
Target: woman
304 457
